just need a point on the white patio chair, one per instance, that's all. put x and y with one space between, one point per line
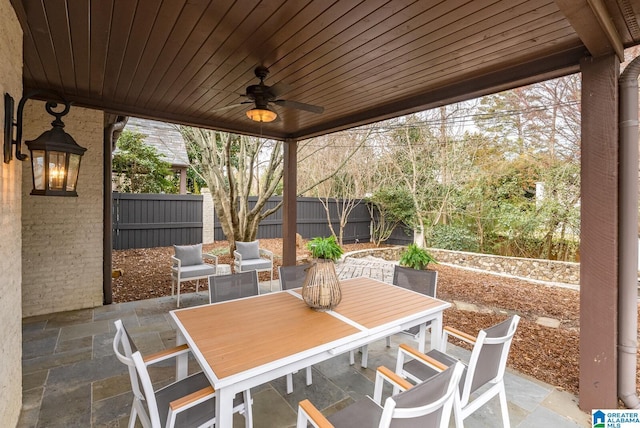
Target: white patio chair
188 402
426 405
188 264
249 256
486 367
293 277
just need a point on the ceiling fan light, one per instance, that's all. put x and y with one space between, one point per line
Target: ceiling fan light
262 115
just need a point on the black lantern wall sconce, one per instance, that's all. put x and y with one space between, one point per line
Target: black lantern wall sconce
55 156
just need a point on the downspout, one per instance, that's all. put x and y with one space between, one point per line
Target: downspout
110 131
628 237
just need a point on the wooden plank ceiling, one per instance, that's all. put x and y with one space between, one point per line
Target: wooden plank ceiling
183 61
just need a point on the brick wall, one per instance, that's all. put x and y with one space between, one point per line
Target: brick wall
10 236
62 236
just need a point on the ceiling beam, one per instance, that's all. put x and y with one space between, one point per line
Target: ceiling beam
593 23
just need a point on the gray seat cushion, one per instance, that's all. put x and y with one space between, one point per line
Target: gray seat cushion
248 250
194 271
189 254
255 264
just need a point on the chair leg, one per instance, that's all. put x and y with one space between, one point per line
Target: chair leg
388 341
197 285
503 407
309 378
457 411
365 356
178 304
289 383
248 409
133 416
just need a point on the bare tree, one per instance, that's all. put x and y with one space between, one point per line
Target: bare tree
344 189
230 164
236 167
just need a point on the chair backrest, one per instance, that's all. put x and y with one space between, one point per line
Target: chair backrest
293 276
248 250
489 356
233 286
148 396
188 255
428 404
420 281
124 348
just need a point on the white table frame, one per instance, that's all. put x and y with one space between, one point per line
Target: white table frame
229 386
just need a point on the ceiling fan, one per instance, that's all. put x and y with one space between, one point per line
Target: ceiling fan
262 95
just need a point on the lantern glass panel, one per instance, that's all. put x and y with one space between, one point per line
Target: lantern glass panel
72 175
37 164
57 161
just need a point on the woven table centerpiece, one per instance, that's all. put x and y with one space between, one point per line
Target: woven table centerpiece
321 288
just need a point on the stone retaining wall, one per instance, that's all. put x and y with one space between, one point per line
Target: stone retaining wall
542 270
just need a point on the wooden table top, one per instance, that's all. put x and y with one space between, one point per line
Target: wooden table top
372 303
239 335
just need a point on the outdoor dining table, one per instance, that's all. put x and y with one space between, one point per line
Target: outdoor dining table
247 342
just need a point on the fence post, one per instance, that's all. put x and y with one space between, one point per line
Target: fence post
207 216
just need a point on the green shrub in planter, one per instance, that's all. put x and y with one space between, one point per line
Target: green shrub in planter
416 257
325 248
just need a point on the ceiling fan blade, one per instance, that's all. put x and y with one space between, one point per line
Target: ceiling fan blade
278 89
231 106
300 106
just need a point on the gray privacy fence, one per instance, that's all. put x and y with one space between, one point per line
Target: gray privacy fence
154 220
312 221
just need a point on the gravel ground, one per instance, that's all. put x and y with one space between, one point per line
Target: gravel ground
547 354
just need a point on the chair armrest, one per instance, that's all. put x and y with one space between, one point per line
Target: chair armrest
166 354
210 257
450 331
237 261
414 353
264 252
308 412
382 374
175 262
193 398
387 374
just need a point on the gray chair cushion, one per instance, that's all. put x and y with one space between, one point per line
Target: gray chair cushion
189 254
200 270
248 250
255 264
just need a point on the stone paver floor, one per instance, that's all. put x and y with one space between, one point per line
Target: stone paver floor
72 379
